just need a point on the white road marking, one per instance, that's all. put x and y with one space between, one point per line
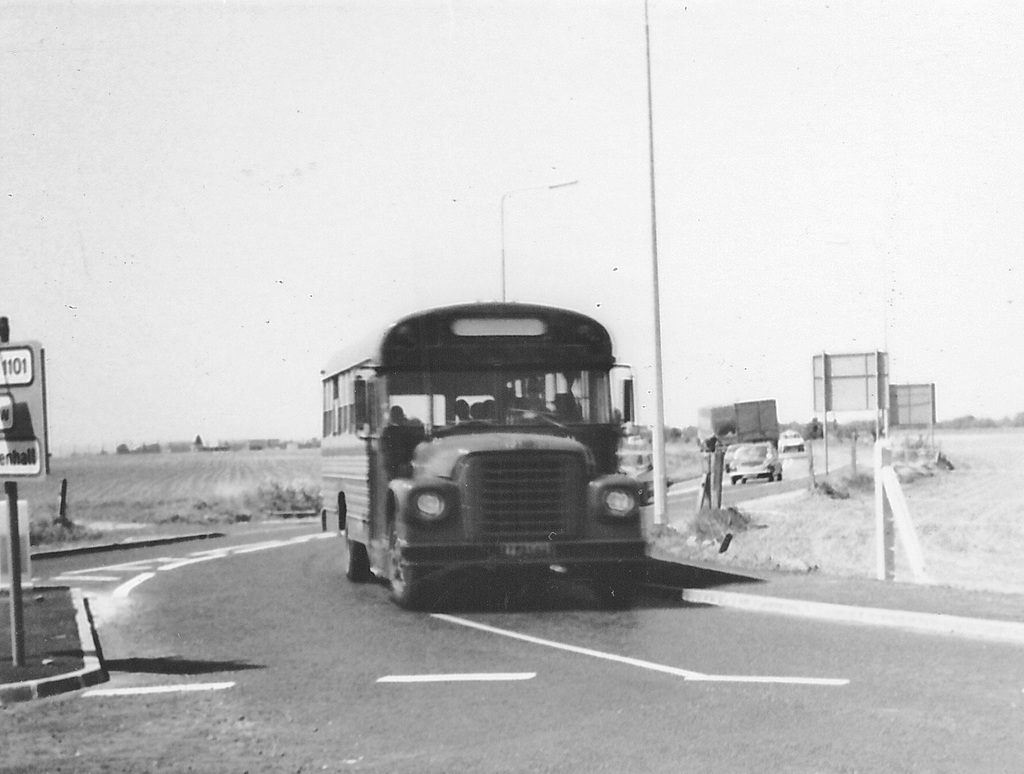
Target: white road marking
571 648
144 690
136 565
686 674
456 678
185 562
125 589
261 546
165 563
76 578
780 680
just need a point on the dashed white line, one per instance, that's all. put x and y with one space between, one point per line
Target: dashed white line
459 678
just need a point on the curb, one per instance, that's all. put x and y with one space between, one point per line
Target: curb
92 672
930 623
125 544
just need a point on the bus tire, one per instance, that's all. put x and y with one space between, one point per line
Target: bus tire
357 562
408 589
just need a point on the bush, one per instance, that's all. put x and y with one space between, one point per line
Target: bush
834 490
43 533
272 497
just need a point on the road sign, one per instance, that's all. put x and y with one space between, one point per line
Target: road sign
23 440
912 405
850 382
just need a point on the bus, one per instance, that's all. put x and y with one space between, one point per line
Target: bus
481 436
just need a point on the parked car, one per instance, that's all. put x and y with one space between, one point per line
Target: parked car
790 441
639 464
755 460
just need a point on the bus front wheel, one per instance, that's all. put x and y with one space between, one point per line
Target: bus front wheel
408 589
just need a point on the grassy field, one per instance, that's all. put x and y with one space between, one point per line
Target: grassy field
969 521
111 493
115 495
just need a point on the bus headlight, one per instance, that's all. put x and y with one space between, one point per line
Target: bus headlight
619 502
430 506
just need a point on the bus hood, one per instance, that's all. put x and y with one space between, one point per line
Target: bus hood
439 456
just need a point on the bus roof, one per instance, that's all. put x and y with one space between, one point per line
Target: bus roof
525 323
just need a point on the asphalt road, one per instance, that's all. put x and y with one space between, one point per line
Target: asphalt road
796 468
291 668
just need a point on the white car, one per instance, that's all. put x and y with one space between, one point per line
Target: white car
791 441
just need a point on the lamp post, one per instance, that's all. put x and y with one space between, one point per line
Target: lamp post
504 198
658 441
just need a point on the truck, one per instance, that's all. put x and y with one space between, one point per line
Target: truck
745 422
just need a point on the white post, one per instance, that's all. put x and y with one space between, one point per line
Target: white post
901 515
24 548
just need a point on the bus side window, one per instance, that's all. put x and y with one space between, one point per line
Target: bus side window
362 407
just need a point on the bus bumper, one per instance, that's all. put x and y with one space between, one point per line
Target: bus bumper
522 555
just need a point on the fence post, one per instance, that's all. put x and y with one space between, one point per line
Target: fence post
809 447
885 543
717 466
62 508
17 606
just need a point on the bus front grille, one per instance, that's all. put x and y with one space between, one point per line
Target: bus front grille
524 495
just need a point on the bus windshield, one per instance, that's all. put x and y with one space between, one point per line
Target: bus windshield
498 397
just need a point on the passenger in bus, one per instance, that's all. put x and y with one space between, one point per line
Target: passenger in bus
567 408
396 416
482 410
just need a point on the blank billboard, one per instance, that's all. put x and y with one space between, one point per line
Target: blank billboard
912 405
854 382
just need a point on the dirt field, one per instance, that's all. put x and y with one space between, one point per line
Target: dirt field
969 521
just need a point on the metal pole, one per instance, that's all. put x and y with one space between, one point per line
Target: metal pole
14 535
658 440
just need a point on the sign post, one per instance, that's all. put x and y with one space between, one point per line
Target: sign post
23 451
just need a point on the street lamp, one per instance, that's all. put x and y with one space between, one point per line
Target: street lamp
658 441
504 197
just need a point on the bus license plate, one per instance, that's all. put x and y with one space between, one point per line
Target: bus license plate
528 550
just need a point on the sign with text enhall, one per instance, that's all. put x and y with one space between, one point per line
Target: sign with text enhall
912 405
23 442
855 382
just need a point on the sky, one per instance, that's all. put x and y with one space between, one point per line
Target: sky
201 201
